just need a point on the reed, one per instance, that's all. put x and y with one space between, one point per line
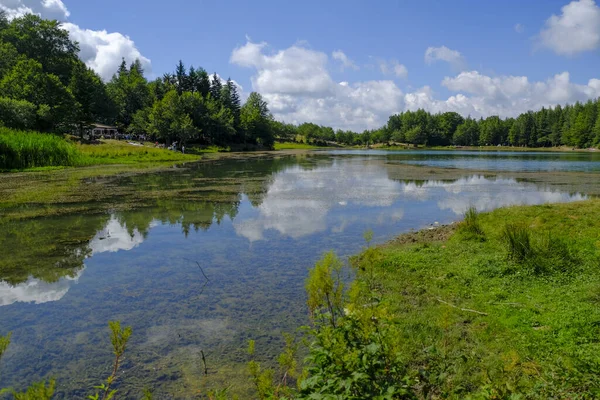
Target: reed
27 149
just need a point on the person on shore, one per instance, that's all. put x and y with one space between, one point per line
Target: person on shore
182 149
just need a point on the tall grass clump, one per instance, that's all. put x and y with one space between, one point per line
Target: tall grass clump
470 227
28 149
518 240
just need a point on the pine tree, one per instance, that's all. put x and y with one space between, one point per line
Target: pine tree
182 77
193 79
596 130
203 84
215 87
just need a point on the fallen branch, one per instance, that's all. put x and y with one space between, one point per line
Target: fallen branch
461 309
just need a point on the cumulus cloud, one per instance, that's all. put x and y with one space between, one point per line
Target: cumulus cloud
575 30
100 50
443 53
295 70
103 51
53 9
344 60
393 68
511 95
299 88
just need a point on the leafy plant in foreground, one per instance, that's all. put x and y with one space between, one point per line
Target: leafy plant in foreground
119 338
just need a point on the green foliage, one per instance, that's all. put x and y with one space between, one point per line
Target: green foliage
325 289
255 119
356 360
470 227
118 338
21 149
37 391
261 378
17 114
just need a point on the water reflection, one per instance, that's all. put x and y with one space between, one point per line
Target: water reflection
115 236
36 290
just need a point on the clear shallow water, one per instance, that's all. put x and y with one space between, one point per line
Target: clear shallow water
490 160
255 227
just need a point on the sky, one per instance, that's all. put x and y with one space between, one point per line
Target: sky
351 64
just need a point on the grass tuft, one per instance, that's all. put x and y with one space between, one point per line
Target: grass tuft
518 239
470 227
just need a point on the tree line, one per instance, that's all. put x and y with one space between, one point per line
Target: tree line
44 86
575 125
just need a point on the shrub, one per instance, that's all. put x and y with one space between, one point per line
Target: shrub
17 114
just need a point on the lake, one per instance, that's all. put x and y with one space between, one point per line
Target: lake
209 256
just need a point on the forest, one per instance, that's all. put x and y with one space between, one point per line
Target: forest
45 87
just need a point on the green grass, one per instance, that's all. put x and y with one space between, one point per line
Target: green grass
120 152
21 150
295 146
514 316
470 227
34 151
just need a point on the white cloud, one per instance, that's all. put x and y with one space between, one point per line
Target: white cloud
52 9
344 60
299 88
443 53
103 51
100 50
295 70
393 67
511 95
576 30
519 28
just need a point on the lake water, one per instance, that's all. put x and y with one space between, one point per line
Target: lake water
253 227
491 160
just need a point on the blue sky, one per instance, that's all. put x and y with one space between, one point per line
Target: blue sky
486 57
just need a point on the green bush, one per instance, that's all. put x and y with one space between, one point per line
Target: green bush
17 114
26 149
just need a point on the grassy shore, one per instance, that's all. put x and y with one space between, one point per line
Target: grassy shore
122 152
296 146
483 315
